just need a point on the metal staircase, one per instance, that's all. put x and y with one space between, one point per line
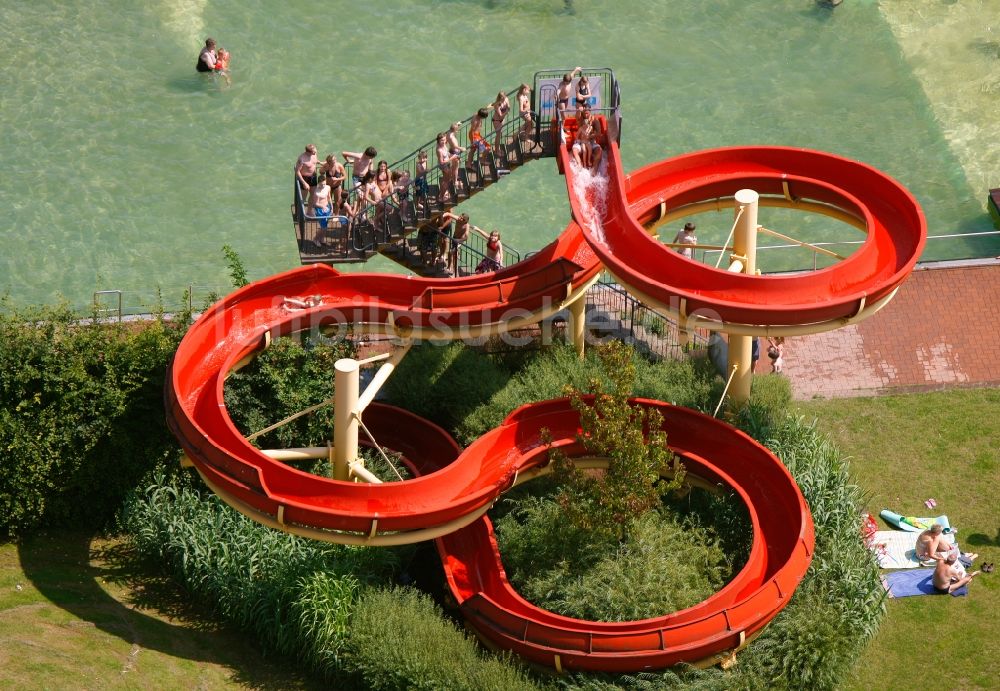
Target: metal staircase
397 226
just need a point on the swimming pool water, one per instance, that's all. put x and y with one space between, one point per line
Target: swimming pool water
124 169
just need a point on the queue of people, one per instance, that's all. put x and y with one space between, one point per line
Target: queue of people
370 187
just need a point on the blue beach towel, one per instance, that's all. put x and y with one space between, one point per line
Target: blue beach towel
916 582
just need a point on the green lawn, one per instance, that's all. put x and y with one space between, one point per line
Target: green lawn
904 450
74 614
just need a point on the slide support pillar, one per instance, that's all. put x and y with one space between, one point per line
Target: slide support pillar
744 260
345 425
578 318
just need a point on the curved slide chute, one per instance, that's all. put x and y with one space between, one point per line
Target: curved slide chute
318 297
793 303
453 488
718 455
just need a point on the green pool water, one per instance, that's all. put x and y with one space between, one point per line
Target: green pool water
124 169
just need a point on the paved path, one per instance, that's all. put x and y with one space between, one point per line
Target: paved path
941 330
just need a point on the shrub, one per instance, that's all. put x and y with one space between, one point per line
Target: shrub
287 377
400 640
611 427
293 594
549 372
81 415
667 563
767 408
837 607
444 383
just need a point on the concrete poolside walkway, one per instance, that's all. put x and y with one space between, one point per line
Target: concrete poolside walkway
942 330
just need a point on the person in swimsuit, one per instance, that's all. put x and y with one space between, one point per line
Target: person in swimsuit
452 135
686 236
524 109
501 106
947 578
582 92
477 145
222 65
383 178
932 546
335 174
776 353
448 163
420 182
305 168
586 149
345 208
446 229
368 194
459 237
319 203
493 261
361 163
563 93
207 57
401 188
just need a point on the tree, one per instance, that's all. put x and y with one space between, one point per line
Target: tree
641 467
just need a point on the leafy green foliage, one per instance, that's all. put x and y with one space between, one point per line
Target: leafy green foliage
400 640
81 415
469 393
444 383
666 563
630 437
289 376
295 595
237 271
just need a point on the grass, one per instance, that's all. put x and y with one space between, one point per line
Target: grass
86 617
906 449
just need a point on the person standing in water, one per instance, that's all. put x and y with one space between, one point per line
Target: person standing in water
208 57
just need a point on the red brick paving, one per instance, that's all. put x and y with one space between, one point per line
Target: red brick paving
941 330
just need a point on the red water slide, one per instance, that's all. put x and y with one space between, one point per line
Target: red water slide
816 300
720 455
453 489
318 297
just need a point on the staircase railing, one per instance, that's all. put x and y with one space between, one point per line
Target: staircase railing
414 204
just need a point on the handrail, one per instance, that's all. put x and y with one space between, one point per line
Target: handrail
369 227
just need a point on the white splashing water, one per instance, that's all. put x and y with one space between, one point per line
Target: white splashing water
591 189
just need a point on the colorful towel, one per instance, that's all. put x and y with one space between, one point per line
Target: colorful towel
896 549
916 582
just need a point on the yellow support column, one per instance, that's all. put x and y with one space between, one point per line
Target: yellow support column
743 260
578 317
345 424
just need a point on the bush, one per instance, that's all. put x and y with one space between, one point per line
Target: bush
308 599
550 371
444 383
835 611
400 640
767 408
81 415
667 563
287 377
293 594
